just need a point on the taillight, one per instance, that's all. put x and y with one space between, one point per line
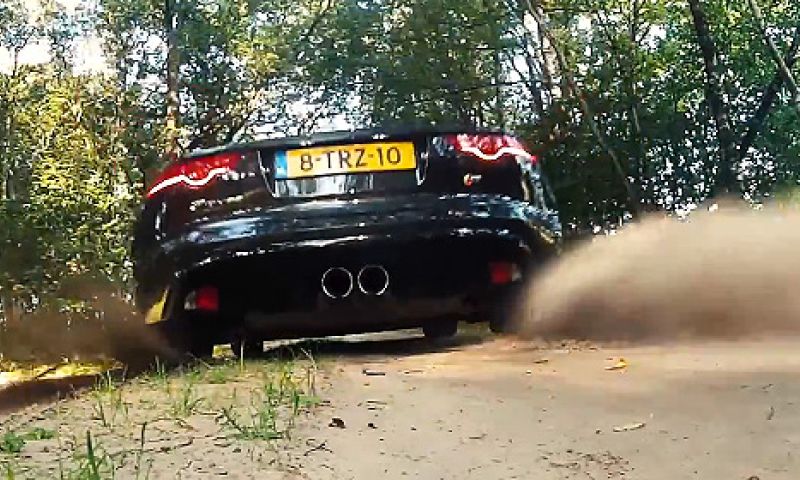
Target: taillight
204 299
488 146
501 273
195 173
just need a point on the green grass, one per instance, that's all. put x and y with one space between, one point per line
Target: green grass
12 442
186 400
272 411
109 405
94 464
219 375
39 433
262 404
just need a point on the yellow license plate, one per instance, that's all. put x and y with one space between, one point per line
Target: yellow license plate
340 159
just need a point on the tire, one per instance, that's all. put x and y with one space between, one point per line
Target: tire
247 348
499 323
440 329
188 341
501 315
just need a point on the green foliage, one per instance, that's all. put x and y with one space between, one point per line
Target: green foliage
409 60
70 222
75 148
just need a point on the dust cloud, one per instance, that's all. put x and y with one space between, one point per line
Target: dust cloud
728 274
111 329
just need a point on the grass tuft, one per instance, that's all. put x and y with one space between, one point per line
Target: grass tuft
272 411
109 404
186 402
12 442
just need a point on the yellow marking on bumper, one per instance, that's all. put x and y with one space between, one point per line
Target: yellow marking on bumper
156 312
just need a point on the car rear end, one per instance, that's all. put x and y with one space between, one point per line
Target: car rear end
342 233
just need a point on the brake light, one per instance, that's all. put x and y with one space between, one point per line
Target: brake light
489 147
204 299
195 173
501 273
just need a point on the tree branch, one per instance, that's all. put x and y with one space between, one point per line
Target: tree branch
324 9
783 68
633 197
756 122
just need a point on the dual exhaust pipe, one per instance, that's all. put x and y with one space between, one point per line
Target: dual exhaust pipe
339 282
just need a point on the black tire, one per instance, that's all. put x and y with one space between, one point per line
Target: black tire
501 314
188 341
247 347
499 323
441 328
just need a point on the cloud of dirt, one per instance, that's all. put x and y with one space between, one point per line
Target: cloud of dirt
729 274
109 329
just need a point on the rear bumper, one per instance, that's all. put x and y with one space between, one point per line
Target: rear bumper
268 265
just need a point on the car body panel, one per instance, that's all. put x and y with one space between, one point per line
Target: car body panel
243 235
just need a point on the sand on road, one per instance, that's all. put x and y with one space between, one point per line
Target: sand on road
503 409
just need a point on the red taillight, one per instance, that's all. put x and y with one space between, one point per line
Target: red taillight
195 172
208 299
204 299
501 273
488 146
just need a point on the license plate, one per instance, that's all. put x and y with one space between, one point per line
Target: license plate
342 159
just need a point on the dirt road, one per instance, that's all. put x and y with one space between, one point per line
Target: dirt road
395 406
502 409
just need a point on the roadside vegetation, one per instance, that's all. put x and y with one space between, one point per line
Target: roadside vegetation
228 411
632 106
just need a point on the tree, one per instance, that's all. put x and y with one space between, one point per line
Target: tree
725 180
203 73
438 61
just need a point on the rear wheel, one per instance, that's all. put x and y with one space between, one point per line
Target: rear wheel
442 328
247 348
499 323
501 313
187 339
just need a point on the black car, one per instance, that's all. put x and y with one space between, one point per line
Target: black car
339 233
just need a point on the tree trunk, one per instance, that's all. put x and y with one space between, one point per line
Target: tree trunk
725 180
7 302
547 63
173 74
637 137
534 75
5 157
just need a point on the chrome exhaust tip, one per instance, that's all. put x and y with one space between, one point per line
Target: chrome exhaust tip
337 283
373 280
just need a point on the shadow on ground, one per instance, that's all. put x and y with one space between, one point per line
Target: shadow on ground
24 394
402 343
21 395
